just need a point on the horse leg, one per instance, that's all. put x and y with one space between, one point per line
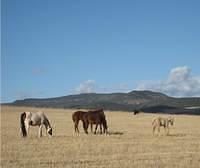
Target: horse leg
96 129
100 129
104 130
154 127
158 130
27 126
76 126
167 130
85 126
91 126
40 131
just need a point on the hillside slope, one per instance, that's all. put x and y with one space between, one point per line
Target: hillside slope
147 101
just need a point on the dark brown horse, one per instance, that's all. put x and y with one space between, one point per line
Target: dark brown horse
95 117
96 111
76 117
80 115
135 112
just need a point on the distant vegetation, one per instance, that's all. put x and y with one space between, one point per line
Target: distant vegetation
146 101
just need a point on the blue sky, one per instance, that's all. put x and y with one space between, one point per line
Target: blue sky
54 48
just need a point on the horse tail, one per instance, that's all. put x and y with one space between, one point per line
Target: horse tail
22 124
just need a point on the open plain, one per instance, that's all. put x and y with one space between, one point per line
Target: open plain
130 142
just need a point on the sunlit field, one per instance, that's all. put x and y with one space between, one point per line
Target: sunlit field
130 142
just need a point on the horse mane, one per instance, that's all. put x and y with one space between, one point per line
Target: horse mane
22 124
48 123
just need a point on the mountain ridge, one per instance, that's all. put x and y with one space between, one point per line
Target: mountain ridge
147 101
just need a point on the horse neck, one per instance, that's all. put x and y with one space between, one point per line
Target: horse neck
170 122
47 124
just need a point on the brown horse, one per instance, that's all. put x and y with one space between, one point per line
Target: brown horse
95 117
96 111
79 115
135 112
76 117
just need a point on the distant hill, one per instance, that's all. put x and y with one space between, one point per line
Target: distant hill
146 101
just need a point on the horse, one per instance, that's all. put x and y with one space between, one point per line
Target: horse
79 115
28 119
76 117
162 122
95 117
135 112
97 111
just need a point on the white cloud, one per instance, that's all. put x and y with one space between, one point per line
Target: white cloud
88 86
179 74
180 83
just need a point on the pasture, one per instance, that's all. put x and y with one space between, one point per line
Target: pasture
130 142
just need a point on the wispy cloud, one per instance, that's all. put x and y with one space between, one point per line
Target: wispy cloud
90 86
180 83
87 86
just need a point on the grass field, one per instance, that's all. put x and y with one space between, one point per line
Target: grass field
129 144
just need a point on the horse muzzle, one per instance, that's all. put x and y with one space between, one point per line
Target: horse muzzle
50 132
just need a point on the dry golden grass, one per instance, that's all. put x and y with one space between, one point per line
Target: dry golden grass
130 143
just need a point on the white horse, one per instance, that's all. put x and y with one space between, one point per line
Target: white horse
28 119
162 122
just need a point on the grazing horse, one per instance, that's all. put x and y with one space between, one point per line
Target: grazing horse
100 111
95 117
79 115
135 112
76 117
162 122
28 119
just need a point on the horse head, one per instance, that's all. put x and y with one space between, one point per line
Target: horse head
105 126
171 120
49 131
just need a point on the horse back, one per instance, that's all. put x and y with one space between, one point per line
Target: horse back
97 111
78 115
36 118
94 117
